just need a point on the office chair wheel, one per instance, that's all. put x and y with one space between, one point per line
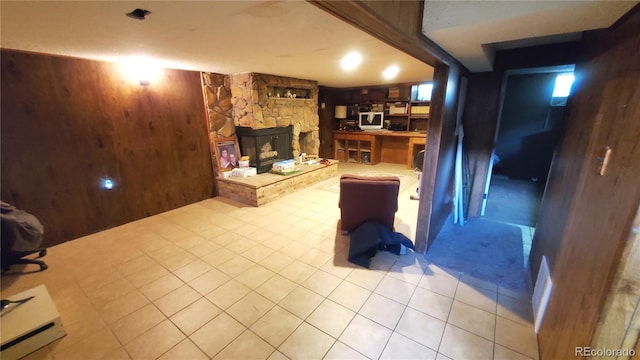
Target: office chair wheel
42 253
43 267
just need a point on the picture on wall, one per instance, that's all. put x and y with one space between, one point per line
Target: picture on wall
227 153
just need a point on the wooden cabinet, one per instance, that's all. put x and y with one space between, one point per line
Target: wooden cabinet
356 147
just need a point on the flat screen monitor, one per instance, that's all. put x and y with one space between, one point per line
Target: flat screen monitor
371 120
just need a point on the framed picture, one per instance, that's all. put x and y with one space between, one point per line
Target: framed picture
227 152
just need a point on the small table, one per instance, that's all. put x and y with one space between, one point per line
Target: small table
29 326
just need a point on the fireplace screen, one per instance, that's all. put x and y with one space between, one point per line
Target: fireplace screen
265 146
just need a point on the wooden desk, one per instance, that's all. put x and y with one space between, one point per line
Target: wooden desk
396 147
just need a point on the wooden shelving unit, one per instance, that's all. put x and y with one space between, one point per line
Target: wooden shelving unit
402 113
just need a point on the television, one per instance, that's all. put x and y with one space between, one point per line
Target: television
370 120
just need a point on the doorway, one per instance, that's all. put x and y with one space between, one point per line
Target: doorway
530 126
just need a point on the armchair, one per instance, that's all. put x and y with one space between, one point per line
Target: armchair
364 198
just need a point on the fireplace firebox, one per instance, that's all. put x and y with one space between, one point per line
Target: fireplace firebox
265 146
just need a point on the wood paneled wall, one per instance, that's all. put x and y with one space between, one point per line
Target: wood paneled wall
587 216
69 123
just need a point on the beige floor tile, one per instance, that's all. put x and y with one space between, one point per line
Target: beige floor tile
177 260
147 275
401 347
441 284
338 265
107 293
411 273
228 293
350 295
480 298
382 310
297 271
226 329
122 306
431 303
136 265
421 328
295 249
515 309
176 300
136 323
517 336
235 266
254 276
395 289
472 319
247 346
276 288
155 342
306 342
192 270
204 248
366 336
301 302
209 281
365 278
250 308
258 253
277 355
276 325
194 316
98 345
315 257
276 262
190 241
161 286
340 351
440 356
322 283
503 353
219 257
330 317
185 350
241 245
461 344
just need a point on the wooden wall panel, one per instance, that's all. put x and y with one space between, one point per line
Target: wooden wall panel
67 123
441 181
588 216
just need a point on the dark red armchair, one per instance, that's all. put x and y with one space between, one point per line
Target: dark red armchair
364 198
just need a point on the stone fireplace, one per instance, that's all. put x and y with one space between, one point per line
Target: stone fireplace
262 101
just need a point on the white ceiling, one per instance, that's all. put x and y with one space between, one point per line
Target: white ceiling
471 31
286 38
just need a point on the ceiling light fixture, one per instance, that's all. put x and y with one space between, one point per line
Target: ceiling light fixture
390 72
351 61
138 14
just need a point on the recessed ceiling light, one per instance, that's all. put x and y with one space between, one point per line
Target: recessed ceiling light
390 72
351 61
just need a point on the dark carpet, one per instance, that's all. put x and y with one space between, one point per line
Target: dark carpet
513 201
484 249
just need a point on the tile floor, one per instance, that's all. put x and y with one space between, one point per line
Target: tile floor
219 280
